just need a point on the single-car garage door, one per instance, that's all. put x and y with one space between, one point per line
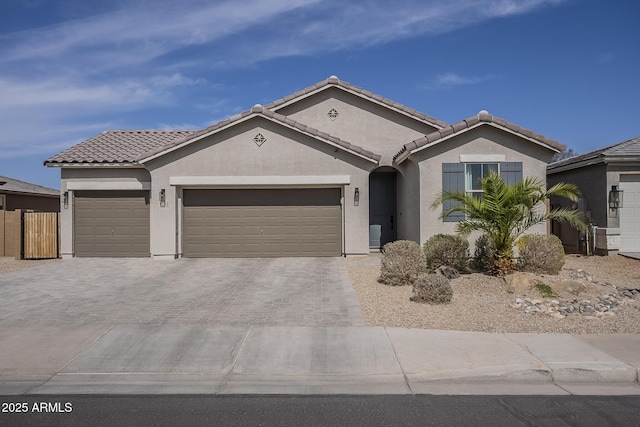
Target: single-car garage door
262 223
630 214
111 223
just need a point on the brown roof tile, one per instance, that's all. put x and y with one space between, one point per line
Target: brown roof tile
334 81
625 150
118 146
482 117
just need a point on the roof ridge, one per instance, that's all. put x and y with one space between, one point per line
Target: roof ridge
359 91
7 178
285 120
604 151
482 117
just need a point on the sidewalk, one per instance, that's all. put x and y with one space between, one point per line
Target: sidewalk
197 359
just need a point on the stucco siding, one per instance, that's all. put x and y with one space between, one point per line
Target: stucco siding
592 183
479 141
360 122
233 152
95 174
409 201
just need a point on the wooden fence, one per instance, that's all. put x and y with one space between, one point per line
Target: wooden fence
29 235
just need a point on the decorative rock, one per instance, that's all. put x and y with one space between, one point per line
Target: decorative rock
519 282
606 306
448 272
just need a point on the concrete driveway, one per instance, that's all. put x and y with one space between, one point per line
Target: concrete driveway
238 292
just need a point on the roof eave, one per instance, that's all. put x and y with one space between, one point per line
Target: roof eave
92 165
404 155
337 85
374 159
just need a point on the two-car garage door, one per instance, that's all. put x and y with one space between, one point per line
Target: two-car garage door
262 222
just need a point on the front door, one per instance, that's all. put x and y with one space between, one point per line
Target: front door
382 209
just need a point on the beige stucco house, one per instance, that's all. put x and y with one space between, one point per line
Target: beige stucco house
327 171
609 180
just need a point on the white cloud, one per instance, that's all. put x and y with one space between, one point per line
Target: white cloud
62 81
448 80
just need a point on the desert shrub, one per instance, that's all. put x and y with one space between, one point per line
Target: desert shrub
432 288
484 255
402 263
540 253
446 249
486 259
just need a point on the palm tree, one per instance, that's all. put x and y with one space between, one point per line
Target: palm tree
505 212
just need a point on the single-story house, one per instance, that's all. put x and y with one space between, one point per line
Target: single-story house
15 194
609 180
330 170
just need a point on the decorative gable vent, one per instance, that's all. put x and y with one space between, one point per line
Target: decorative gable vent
333 114
259 139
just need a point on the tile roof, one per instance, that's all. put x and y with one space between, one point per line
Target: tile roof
481 118
336 82
117 146
15 185
629 149
260 110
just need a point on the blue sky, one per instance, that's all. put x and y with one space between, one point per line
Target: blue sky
70 69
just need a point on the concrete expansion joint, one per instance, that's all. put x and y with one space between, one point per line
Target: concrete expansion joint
227 377
404 374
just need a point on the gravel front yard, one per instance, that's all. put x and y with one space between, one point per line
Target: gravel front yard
481 304
7 264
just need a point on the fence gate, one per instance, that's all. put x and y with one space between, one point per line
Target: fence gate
40 235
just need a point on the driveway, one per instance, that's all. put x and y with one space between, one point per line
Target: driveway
240 292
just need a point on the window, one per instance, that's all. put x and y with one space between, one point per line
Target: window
474 172
1 202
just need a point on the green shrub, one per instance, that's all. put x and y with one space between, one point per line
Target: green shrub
540 253
446 249
484 255
545 290
402 263
432 288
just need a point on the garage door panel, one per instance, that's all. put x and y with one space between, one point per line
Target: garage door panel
111 223
262 223
630 215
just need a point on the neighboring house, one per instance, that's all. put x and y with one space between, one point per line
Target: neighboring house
609 180
15 194
327 171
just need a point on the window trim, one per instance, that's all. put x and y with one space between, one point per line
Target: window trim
3 202
466 181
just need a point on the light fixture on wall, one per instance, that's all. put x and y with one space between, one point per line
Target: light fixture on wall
615 197
356 197
65 199
163 198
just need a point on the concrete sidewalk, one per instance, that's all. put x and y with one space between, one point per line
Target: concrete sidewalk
201 359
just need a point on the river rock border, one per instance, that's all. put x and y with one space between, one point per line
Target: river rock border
605 306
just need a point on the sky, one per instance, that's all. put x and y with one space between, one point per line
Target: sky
71 69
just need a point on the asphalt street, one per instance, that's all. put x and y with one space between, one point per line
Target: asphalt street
414 410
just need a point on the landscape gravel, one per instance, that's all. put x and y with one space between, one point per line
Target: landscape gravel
8 264
480 303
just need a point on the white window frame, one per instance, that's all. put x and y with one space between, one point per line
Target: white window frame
468 185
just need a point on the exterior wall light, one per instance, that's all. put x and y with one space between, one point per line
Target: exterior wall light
356 197
163 198
615 197
65 199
